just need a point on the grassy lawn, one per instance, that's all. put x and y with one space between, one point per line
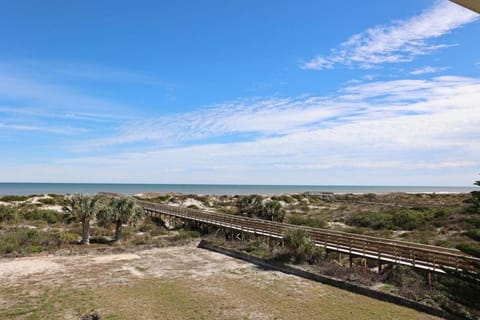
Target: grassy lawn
155 285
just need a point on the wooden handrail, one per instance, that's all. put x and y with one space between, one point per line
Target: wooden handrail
415 254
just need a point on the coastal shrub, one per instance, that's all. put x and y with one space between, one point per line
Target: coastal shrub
374 220
8 214
473 234
284 197
272 210
67 238
303 206
473 221
12 198
470 248
403 219
26 240
47 201
301 247
306 221
406 219
49 216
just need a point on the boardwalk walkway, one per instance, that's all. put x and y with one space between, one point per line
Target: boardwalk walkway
420 256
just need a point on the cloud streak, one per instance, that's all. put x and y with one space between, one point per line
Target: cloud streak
427 70
399 41
424 125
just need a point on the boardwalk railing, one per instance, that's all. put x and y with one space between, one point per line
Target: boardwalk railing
421 256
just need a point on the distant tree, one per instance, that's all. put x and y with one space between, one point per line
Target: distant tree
84 208
120 211
475 200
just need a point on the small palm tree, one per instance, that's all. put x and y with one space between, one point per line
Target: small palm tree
250 206
274 211
121 211
84 208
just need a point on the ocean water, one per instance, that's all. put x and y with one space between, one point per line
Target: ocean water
92 188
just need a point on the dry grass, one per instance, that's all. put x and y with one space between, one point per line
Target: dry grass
173 283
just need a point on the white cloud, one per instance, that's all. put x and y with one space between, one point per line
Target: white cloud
46 129
403 125
400 41
428 69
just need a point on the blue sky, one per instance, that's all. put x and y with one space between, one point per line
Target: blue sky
250 92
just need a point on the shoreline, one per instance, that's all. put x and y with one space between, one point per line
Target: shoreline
219 190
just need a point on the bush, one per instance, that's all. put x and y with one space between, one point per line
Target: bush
47 201
473 234
469 248
374 220
474 221
285 198
8 214
49 216
12 198
306 221
301 246
67 238
404 219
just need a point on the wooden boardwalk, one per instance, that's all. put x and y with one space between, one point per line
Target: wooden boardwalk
420 256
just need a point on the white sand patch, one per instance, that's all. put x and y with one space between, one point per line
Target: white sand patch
54 208
7 204
194 262
115 257
25 266
194 202
336 224
36 199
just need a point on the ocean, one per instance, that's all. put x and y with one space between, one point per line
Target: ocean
216 189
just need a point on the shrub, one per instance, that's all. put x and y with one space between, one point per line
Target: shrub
404 219
306 221
301 246
67 238
8 214
473 234
47 201
12 198
470 248
49 216
374 220
285 198
474 221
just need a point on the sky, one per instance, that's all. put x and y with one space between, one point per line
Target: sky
240 92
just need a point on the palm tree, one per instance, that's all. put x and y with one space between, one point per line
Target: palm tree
122 211
273 210
84 208
250 206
